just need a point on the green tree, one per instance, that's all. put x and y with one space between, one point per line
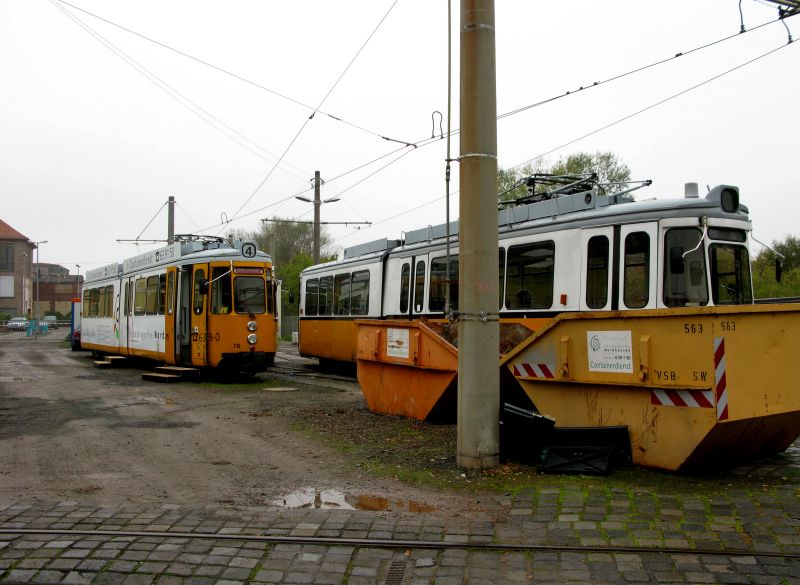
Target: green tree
284 239
611 173
764 283
291 246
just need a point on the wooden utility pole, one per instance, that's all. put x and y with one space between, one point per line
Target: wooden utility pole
478 329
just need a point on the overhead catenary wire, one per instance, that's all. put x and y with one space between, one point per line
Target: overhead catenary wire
163 205
601 128
654 105
426 141
236 76
311 117
184 101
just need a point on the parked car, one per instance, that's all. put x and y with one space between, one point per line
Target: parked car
75 340
51 321
17 324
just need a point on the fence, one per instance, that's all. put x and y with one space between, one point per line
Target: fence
23 329
289 324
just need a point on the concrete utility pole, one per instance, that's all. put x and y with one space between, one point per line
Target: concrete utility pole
317 204
170 219
478 329
38 277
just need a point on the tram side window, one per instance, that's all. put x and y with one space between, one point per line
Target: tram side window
326 295
359 293
85 306
127 301
405 287
221 296
197 293
94 302
271 308
101 302
139 296
419 287
436 291
162 294
597 272
730 275
108 305
151 304
636 284
341 294
170 293
529 276
249 294
312 297
685 282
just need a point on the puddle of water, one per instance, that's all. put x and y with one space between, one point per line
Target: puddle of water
311 498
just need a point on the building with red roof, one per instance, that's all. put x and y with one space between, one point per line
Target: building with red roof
16 272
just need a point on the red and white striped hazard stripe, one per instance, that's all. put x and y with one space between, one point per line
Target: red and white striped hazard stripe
720 382
690 398
524 370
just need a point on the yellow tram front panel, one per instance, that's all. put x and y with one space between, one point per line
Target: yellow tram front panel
230 326
690 384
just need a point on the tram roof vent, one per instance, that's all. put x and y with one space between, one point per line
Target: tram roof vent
190 247
430 233
370 247
691 191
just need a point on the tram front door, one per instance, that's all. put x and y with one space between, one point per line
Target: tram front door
199 333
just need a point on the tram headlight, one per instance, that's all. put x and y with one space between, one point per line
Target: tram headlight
252 326
252 338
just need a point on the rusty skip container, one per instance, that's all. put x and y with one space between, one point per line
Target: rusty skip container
693 385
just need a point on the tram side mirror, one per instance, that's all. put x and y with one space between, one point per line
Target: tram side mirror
778 269
676 263
291 298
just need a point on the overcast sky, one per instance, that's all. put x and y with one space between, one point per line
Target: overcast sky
97 131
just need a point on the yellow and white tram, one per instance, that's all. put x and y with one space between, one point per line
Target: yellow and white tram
201 303
579 251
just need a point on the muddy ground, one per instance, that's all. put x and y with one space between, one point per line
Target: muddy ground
71 431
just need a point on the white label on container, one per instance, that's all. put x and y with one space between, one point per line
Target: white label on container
609 351
397 343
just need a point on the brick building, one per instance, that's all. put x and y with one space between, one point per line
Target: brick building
57 288
16 272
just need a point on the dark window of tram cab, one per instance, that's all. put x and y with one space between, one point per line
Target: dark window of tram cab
221 298
685 281
730 268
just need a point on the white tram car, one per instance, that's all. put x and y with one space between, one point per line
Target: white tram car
201 303
577 251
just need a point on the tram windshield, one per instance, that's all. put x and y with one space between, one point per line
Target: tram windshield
685 281
730 274
686 278
249 294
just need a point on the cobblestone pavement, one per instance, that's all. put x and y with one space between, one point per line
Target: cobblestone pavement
554 535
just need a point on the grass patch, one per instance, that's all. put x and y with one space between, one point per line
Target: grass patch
421 453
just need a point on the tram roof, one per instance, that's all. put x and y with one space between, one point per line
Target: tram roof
579 209
179 253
